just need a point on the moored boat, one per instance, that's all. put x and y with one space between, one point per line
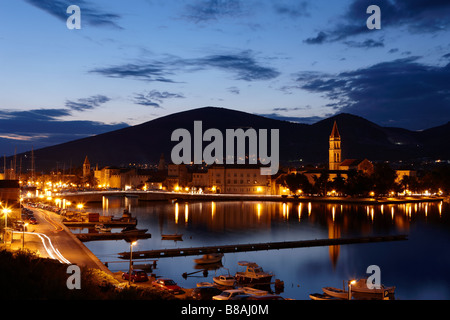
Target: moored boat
209 258
322 296
133 230
335 292
254 291
175 236
225 280
103 228
360 286
252 274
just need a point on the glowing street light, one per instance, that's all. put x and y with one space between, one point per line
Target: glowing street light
6 211
23 234
133 243
350 283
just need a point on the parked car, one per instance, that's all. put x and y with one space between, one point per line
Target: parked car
229 294
136 276
19 226
167 284
205 293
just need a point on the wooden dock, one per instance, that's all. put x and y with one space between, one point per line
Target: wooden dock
165 253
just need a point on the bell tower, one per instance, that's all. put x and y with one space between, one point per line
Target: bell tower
86 168
334 158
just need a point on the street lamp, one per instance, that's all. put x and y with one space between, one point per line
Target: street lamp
23 234
5 211
350 283
133 243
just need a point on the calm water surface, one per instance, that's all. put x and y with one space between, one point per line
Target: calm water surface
418 267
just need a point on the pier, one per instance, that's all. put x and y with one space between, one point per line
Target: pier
166 253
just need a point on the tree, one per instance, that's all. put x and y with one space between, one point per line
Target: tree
359 184
384 178
296 182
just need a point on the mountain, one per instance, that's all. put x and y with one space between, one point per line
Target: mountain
146 142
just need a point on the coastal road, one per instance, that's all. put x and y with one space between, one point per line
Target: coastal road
54 240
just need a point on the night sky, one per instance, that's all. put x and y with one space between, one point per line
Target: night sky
135 61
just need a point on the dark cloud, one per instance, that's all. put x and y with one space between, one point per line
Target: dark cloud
291 9
242 64
207 10
417 16
90 15
319 39
43 127
154 71
87 103
149 98
234 90
403 92
369 43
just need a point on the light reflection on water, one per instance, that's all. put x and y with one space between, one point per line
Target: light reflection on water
418 267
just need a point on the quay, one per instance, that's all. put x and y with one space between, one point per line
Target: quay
85 237
98 196
193 251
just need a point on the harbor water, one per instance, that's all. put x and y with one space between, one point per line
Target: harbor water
418 267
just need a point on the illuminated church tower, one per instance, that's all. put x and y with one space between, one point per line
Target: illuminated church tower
86 168
335 149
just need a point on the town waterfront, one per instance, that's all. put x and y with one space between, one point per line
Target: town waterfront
418 267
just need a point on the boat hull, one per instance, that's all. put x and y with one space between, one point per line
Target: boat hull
335 292
321 296
242 279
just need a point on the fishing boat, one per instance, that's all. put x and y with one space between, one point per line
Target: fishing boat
225 280
252 274
322 296
335 292
175 236
360 286
209 258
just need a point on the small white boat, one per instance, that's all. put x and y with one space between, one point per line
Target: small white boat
335 292
225 280
252 274
209 258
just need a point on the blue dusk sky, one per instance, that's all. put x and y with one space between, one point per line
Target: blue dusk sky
135 61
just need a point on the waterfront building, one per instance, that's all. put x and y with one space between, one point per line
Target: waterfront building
122 178
238 179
